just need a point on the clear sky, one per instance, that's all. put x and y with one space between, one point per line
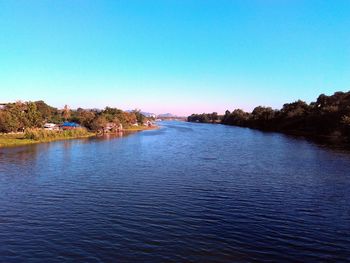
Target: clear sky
178 56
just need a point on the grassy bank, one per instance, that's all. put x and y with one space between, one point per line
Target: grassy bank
7 140
32 136
39 136
140 128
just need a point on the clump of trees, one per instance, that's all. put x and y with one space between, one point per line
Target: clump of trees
204 117
98 120
19 116
328 115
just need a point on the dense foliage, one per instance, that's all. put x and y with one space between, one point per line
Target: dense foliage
15 117
329 115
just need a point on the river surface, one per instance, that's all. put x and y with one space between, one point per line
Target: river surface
183 193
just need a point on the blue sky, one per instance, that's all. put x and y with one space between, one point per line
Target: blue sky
178 56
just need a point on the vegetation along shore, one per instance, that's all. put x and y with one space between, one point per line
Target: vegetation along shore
34 122
328 116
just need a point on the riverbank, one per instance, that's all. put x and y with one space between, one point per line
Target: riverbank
141 128
327 117
20 139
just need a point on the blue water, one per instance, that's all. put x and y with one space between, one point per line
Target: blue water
184 193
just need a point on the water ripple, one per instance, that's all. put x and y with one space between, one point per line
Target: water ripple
184 193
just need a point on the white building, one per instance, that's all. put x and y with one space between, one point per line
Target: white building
51 127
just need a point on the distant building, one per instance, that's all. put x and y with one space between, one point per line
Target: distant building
2 106
69 125
51 127
151 115
111 126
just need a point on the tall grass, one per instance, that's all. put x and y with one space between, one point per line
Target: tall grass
45 135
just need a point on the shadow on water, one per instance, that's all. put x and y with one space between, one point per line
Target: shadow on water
21 154
326 143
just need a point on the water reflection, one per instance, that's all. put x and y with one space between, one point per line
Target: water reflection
18 155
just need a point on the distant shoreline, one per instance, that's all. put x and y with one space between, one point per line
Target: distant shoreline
326 118
23 123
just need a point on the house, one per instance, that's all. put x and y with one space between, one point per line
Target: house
69 126
148 123
113 127
151 115
110 126
2 106
51 126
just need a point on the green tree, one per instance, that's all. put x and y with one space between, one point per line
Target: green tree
140 118
85 118
214 117
99 123
33 116
8 122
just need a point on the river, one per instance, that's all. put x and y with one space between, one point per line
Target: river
184 193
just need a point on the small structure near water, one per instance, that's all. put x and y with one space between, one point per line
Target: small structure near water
69 126
113 127
51 126
2 106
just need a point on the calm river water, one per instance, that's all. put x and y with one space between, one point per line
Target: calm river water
184 193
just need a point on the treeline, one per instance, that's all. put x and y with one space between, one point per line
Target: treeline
328 116
16 117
